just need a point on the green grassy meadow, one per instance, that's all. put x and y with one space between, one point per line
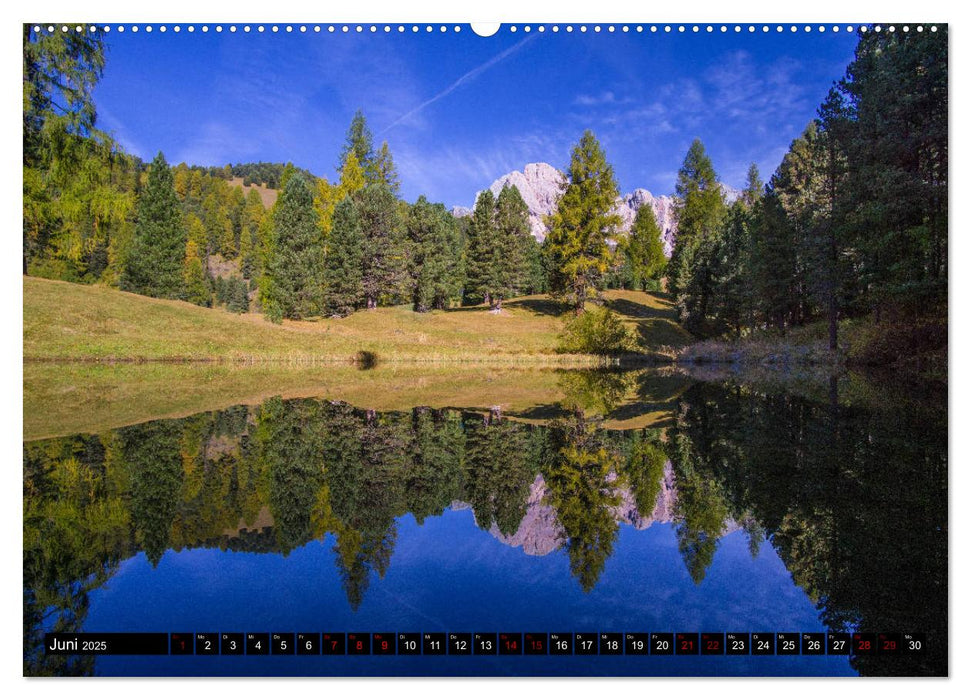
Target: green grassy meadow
96 358
71 322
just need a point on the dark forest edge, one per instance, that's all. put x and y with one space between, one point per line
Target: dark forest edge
842 256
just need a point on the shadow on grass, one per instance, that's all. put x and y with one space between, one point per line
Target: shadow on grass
634 310
545 307
661 332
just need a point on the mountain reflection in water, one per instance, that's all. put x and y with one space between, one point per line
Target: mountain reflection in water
852 496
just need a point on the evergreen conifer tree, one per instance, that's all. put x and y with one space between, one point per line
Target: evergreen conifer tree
237 295
700 210
434 255
343 287
583 219
360 142
481 235
297 262
385 170
155 261
385 254
289 170
511 248
644 250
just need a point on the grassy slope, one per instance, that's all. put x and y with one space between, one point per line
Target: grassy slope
67 321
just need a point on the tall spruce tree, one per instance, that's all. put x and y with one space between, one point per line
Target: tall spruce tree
732 300
297 262
385 254
385 170
830 230
512 246
644 250
480 240
700 210
434 255
773 262
342 278
155 260
360 142
583 219
536 268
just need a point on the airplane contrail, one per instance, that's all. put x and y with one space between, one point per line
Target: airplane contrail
471 75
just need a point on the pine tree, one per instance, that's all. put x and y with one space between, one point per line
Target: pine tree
266 243
360 142
511 247
644 250
479 259
700 210
385 255
155 261
773 263
237 295
754 187
385 170
732 303
833 122
344 290
500 250
434 255
536 265
297 260
730 269
583 219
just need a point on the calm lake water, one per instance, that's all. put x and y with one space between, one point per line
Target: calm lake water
731 508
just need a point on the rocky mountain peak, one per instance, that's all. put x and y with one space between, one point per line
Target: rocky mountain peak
541 185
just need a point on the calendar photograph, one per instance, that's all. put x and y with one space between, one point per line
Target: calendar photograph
450 350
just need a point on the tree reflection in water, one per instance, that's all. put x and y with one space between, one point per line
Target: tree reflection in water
852 497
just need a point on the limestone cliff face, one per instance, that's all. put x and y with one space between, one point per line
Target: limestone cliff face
540 185
663 206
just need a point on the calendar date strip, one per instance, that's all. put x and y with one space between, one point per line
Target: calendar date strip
484 643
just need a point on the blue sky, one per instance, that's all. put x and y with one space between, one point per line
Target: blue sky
459 110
